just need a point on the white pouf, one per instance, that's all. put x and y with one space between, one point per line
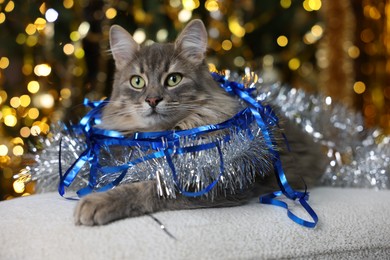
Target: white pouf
353 223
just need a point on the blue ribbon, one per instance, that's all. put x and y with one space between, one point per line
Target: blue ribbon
166 143
265 117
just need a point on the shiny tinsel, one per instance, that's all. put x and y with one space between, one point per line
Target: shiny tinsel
195 170
358 157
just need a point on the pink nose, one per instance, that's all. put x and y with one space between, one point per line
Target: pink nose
153 101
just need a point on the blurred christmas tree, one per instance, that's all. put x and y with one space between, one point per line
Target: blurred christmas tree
54 53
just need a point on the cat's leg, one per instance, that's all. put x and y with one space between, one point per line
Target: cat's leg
137 199
128 200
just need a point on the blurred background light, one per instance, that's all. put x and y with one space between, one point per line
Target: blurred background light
42 70
51 15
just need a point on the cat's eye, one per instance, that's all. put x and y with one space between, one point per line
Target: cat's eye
173 79
137 82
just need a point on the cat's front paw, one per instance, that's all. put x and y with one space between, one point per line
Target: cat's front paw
96 209
127 200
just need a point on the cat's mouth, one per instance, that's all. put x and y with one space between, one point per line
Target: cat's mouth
153 111
159 113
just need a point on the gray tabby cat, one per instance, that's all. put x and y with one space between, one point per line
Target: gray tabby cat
168 86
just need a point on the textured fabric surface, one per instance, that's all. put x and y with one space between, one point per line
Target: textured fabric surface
354 223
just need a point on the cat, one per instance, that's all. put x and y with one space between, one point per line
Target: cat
169 86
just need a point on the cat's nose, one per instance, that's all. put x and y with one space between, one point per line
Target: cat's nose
153 101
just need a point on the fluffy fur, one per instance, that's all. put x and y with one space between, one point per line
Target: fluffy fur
168 86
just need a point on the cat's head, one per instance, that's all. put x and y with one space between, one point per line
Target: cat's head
158 86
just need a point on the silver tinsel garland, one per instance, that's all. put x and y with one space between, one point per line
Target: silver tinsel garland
358 157
236 175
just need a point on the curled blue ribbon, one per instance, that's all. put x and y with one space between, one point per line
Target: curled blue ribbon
265 117
166 143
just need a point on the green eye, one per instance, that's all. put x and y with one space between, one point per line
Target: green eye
137 82
173 79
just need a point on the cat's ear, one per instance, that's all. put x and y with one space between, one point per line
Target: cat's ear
122 46
192 41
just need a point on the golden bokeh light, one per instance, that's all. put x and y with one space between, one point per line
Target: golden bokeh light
309 38
312 5
84 29
32 40
44 101
68 49
227 45
75 36
315 5
190 4
317 30
211 5
15 102
282 41
30 29
65 93
184 15
35 130
17 140
239 61
9 7
139 36
235 27
33 113
41 125
367 35
285 3
79 53
162 35
294 64
2 17
212 67
40 24
68 4
353 52
6 110
4 62
111 13
42 8
10 120
3 95
25 100
3 150
359 87
372 12
249 27
77 71
27 69
18 150
42 70
21 39
33 87
19 186
24 132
